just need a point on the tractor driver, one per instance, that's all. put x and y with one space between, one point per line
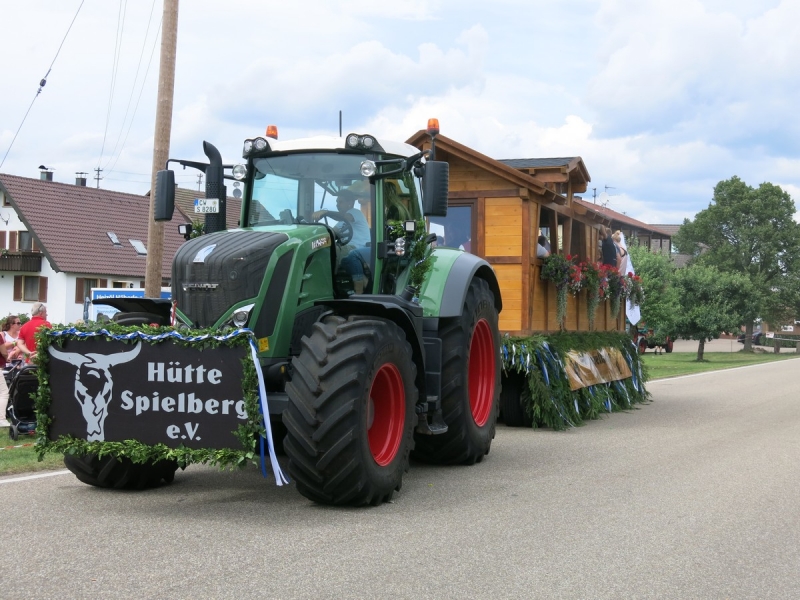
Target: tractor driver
349 257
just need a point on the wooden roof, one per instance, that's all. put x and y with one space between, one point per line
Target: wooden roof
421 140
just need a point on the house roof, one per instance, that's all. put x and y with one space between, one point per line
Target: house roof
70 224
184 202
618 217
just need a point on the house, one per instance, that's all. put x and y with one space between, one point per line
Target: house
496 210
655 237
60 240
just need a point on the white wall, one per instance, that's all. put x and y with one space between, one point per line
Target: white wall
61 306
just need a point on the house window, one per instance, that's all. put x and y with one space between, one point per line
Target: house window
456 230
30 288
84 285
25 241
21 241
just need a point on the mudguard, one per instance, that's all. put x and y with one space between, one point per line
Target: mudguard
445 291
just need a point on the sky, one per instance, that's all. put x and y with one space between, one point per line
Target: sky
661 99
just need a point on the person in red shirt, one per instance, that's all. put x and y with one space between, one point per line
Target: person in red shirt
27 333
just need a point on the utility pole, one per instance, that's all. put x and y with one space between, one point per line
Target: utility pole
166 88
199 181
97 177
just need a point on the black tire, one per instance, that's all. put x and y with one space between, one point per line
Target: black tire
12 433
470 382
512 409
137 318
345 447
120 473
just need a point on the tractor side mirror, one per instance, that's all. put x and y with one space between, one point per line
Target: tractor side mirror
435 182
164 204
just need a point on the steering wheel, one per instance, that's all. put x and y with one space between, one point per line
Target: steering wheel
343 232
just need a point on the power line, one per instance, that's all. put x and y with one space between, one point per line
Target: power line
42 83
133 89
123 5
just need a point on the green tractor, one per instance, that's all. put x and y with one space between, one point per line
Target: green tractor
375 344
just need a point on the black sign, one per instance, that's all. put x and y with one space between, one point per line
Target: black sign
109 390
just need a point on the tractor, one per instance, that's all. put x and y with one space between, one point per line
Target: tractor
375 345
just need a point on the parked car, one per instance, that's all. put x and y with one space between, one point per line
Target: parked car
755 339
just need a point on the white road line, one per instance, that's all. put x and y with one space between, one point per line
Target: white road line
37 476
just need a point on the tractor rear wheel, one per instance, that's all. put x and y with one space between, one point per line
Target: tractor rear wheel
470 382
351 416
120 473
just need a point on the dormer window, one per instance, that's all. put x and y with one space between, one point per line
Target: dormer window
139 247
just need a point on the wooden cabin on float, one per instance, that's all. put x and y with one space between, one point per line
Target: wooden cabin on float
496 210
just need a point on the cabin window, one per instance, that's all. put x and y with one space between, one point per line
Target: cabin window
457 229
550 230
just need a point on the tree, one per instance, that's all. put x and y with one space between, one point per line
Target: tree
751 232
709 302
660 300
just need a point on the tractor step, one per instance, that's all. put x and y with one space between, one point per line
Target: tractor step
436 426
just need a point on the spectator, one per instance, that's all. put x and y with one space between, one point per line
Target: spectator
3 390
27 332
15 348
541 247
622 252
607 247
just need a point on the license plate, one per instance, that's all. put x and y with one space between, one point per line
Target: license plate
206 205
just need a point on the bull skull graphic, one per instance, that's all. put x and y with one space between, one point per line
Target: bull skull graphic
93 384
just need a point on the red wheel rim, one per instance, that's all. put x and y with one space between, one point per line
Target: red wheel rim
482 366
386 414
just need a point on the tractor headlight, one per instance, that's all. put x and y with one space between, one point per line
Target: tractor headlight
239 172
368 168
241 315
248 148
260 144
400 246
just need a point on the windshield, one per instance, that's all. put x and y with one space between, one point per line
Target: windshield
291 188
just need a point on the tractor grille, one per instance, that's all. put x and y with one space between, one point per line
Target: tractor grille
213 272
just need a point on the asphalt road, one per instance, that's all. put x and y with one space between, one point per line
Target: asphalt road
694 495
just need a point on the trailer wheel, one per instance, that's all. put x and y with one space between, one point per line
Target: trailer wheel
351 416
512 410
120 473
470 382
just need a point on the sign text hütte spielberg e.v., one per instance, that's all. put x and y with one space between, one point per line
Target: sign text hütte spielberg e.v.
155 393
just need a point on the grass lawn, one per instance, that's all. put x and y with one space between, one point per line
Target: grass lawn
24 459
685 363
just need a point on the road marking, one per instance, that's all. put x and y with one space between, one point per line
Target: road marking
37 476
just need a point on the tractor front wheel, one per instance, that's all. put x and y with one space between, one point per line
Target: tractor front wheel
351 416
470 382
120 473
